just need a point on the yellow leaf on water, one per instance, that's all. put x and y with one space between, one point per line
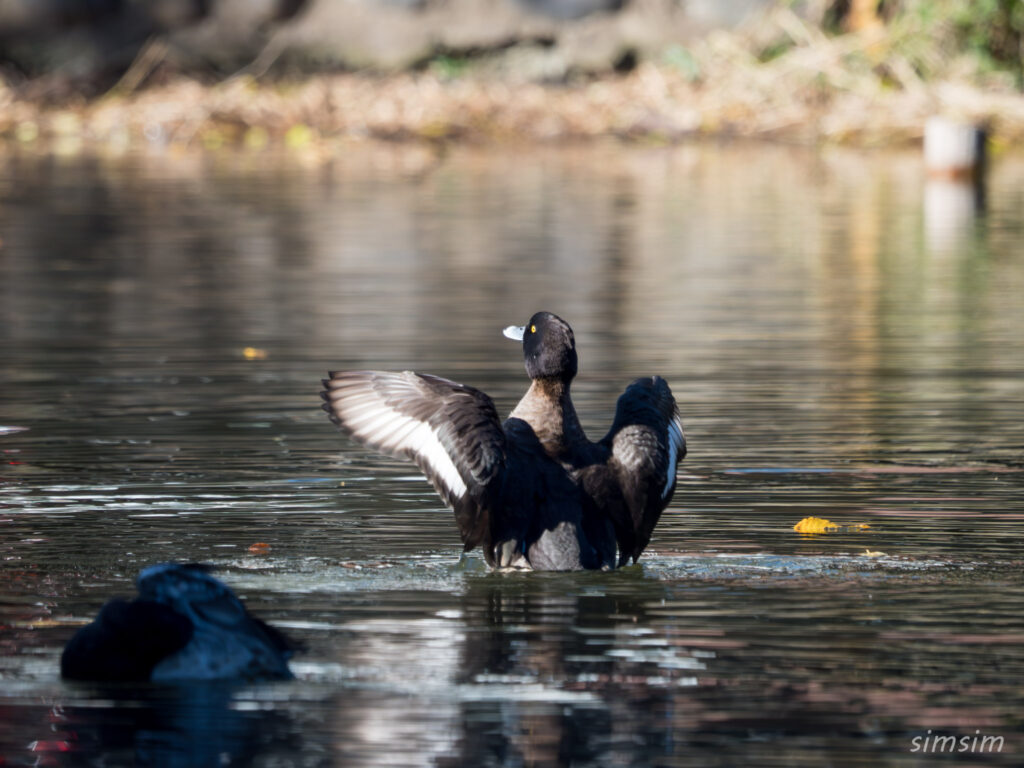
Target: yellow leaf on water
869 553
821 525
254 353
815 525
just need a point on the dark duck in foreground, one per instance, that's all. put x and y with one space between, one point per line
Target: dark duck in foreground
533 492
184 625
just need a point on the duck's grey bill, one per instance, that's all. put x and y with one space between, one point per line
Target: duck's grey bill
515 332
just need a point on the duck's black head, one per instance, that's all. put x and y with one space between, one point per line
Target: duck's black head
549 348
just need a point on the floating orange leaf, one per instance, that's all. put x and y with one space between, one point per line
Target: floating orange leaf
254 353
259 548
821 525
815 525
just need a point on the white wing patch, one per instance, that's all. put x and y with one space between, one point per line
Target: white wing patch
675 442
375 422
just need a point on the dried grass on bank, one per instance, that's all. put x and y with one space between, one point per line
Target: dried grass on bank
861 89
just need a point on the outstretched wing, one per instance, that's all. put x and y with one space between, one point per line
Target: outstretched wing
449 430
647 443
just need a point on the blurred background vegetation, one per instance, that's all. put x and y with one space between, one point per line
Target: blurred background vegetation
863 71
932 33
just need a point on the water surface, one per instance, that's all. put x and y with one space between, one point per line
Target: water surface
845 340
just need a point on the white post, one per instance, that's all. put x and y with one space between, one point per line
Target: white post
954 149
954 193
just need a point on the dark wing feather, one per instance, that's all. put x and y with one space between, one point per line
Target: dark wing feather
647 443
451 431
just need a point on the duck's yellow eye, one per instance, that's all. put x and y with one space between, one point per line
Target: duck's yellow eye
533 329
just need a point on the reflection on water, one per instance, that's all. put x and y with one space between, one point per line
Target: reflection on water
845 341
202 725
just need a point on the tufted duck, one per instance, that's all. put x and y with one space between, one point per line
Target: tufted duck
184 625
533 492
